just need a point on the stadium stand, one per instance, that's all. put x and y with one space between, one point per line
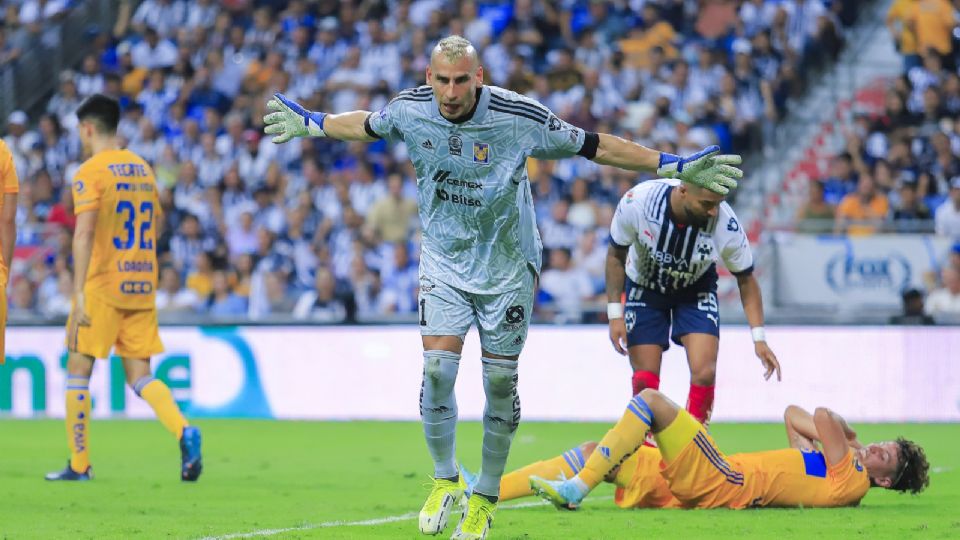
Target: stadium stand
326 231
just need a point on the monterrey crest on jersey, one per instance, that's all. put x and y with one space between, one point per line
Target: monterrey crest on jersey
668 257
479 230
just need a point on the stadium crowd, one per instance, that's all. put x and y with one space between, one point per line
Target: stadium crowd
327 231
899 171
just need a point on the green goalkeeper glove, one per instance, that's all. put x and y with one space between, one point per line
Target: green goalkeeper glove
707 168
291 120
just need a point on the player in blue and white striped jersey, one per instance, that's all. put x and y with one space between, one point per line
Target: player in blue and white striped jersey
481 251
665 239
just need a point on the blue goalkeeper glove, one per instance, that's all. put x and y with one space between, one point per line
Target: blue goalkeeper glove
707 168
291 120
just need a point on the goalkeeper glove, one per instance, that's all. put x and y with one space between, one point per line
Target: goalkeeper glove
707 168
291 120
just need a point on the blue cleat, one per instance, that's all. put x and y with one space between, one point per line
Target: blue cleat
70 475
469 478
563 494
190 458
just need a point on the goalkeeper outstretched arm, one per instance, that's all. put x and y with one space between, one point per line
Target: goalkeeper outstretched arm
707 168
289 120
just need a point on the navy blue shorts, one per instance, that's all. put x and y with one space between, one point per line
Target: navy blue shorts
648 314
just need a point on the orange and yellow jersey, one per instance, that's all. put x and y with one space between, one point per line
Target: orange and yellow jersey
646 487
8 181
792 477
120 186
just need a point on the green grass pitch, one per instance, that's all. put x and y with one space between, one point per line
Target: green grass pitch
365 480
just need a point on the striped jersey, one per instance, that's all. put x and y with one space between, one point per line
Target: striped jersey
479 228
669 257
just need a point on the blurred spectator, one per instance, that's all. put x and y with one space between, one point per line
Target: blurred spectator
269 295
171 298
400 281
910 214
842 180
947 217
945 300
912 310
816 216
59 304
556 231
567 287
22 300
154 51
200 279
863 212
321 304
391 217
222 302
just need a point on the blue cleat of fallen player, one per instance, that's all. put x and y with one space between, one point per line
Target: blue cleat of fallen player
191 460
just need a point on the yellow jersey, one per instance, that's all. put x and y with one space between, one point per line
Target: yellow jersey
120 186
792 477
8 181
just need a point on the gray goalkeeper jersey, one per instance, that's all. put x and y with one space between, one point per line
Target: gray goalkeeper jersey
479 229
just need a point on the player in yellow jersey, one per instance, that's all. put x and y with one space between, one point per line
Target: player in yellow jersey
9 187
115 278
824 467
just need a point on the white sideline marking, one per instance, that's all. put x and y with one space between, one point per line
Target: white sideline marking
363 523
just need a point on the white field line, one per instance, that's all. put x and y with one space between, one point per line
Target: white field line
363 523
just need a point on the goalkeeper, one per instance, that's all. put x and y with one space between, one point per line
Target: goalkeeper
481 251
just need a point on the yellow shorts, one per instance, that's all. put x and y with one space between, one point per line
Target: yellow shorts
639 483
133 333
3 313
697 472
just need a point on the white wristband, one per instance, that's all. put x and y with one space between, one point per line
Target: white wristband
758 333
614 310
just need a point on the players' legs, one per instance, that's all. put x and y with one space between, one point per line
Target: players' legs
696 325
84 345
702 350
155 393
645 361
649 410
438 403
503 321
445 316
647 318
77 401
138 340
516 484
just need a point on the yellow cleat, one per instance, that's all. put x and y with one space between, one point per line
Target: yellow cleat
477 520
443 497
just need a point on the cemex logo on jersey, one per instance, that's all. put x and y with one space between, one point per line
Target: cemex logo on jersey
554 124
443 177
732 225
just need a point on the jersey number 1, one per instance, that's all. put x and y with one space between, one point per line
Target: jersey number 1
129 225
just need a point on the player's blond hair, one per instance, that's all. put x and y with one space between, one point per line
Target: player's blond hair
453 48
